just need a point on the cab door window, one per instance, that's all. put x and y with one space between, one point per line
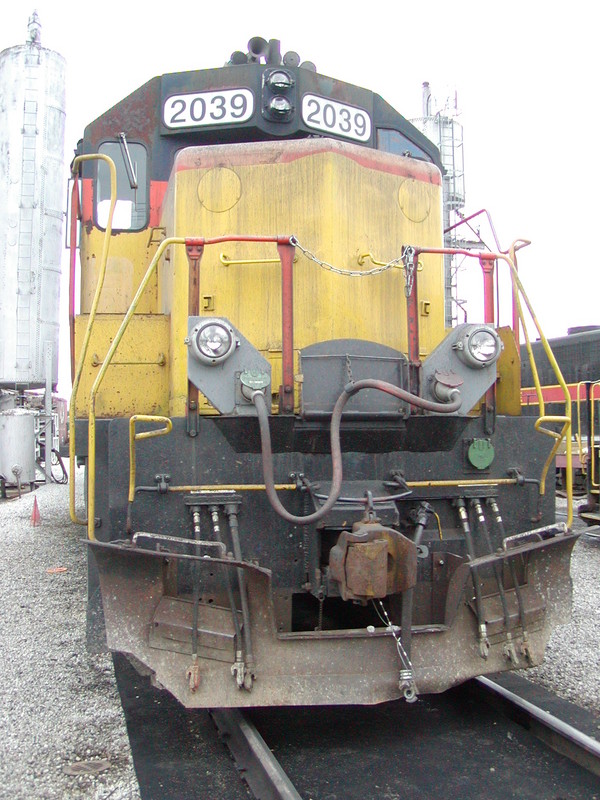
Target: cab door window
131 209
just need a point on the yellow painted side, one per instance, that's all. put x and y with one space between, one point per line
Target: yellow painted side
137 382
508 386
339 208
129 255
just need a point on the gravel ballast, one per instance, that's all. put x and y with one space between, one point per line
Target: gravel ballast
61 713
571 668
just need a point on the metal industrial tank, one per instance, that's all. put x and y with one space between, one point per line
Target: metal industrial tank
32 126
17 450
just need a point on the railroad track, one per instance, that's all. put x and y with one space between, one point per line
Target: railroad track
268 780
562 737
475 741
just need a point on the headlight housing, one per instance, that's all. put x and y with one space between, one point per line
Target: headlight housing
278 95
280 80
280 106
479 346
212 341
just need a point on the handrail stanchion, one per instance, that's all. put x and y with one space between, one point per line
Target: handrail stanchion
194 249
133 438
75 218
594 398
92 316
286 252
582 460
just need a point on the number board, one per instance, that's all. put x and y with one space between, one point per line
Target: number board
328 115
225 107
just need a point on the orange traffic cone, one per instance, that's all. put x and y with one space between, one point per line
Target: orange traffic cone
35 514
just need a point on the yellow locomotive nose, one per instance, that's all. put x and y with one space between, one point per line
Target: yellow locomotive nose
317 192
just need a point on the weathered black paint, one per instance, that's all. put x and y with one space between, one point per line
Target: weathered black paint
227 452
140 115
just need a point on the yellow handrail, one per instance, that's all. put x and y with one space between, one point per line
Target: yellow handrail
542 420
589 459
594 481
100 376
255 487
231 487
518 292
92 316
582 459
133 437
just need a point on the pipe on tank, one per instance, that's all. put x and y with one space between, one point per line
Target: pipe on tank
426 99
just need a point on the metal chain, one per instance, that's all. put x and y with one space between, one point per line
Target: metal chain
351 273
321 599
349 373
407 259
404 659
407 673
410 266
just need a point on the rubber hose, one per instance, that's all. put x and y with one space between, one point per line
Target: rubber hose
351 389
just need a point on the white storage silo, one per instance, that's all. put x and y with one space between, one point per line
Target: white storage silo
32 125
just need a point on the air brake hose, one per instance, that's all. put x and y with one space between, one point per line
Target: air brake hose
350 389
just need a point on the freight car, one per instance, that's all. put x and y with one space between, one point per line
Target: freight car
301 487
578 356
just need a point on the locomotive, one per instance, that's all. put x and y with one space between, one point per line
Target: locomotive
301 487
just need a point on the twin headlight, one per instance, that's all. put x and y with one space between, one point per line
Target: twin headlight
279 95
213 341
478 346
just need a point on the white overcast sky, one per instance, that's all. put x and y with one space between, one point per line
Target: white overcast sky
525 74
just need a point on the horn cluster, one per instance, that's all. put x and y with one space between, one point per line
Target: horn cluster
261 51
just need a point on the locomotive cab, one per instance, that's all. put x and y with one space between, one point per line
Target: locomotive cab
302 487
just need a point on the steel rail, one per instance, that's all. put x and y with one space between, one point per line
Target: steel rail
560 736
256 763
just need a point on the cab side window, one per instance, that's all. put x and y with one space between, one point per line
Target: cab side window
392 141
131 210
